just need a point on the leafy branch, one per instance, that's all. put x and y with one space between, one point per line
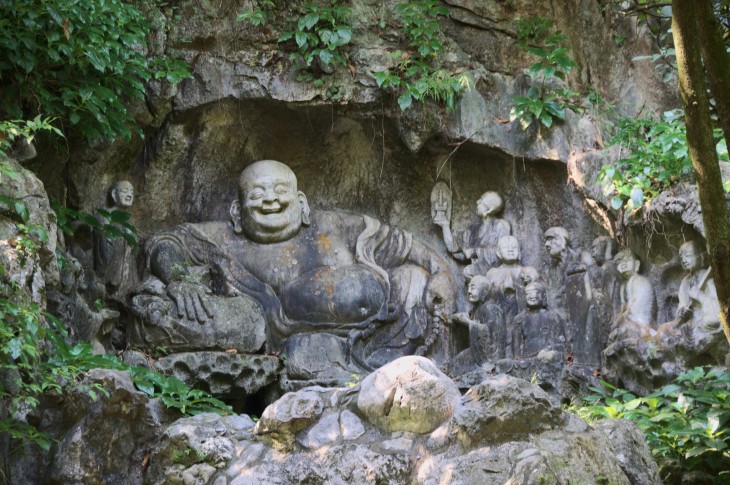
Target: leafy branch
658 159
414 75
542 103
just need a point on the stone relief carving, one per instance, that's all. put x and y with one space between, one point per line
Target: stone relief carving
441 204
478 243
66 302
698 313
564 261
536 328
338 292
486 325
636 294
592 294
341 294
114 262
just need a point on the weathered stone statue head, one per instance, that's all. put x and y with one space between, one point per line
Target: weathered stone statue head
508 249
269 207
529 275
557 242
535 295
123 194
692 255
489 205
602 249
478 289
627 264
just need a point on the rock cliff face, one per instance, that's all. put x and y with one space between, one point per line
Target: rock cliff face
354 151
359 152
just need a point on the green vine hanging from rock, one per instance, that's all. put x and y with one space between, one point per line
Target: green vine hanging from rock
543 102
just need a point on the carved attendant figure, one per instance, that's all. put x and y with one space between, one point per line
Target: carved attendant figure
536 328
638 306
479 241
591 297
84 323
563 261
698 307
113 259
487 334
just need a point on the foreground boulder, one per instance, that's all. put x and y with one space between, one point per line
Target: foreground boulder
502 431
404 424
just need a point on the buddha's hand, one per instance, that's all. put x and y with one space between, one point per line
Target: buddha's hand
684 313
191 300
461 317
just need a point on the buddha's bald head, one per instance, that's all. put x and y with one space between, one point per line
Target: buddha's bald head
270 208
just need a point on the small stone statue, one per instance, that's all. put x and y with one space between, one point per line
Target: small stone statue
699 309
505 280
506 277
638 305
479 241
487 333
536 328
114 262
441 204
563 261
591 297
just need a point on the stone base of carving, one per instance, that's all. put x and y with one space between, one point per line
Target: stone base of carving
642 365
220 373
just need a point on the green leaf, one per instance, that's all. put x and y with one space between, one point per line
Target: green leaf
308 21
22 210
300 38
405 100
326 56
617 203
546 119
345 35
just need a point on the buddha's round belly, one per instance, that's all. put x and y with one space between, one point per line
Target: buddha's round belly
339 295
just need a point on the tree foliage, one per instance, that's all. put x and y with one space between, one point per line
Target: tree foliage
77 61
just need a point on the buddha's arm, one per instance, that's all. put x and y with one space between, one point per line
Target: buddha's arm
168 261
427 258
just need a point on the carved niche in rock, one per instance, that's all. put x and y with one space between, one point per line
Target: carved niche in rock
644 359
338 293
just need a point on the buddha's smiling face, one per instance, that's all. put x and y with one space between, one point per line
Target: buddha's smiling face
271 206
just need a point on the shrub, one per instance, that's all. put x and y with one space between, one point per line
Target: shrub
414 76
77 61
658 159
685 423
541 103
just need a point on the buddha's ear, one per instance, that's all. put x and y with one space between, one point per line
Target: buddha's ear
235 213
305 208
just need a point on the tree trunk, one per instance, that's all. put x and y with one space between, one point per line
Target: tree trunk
702 149
717 61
